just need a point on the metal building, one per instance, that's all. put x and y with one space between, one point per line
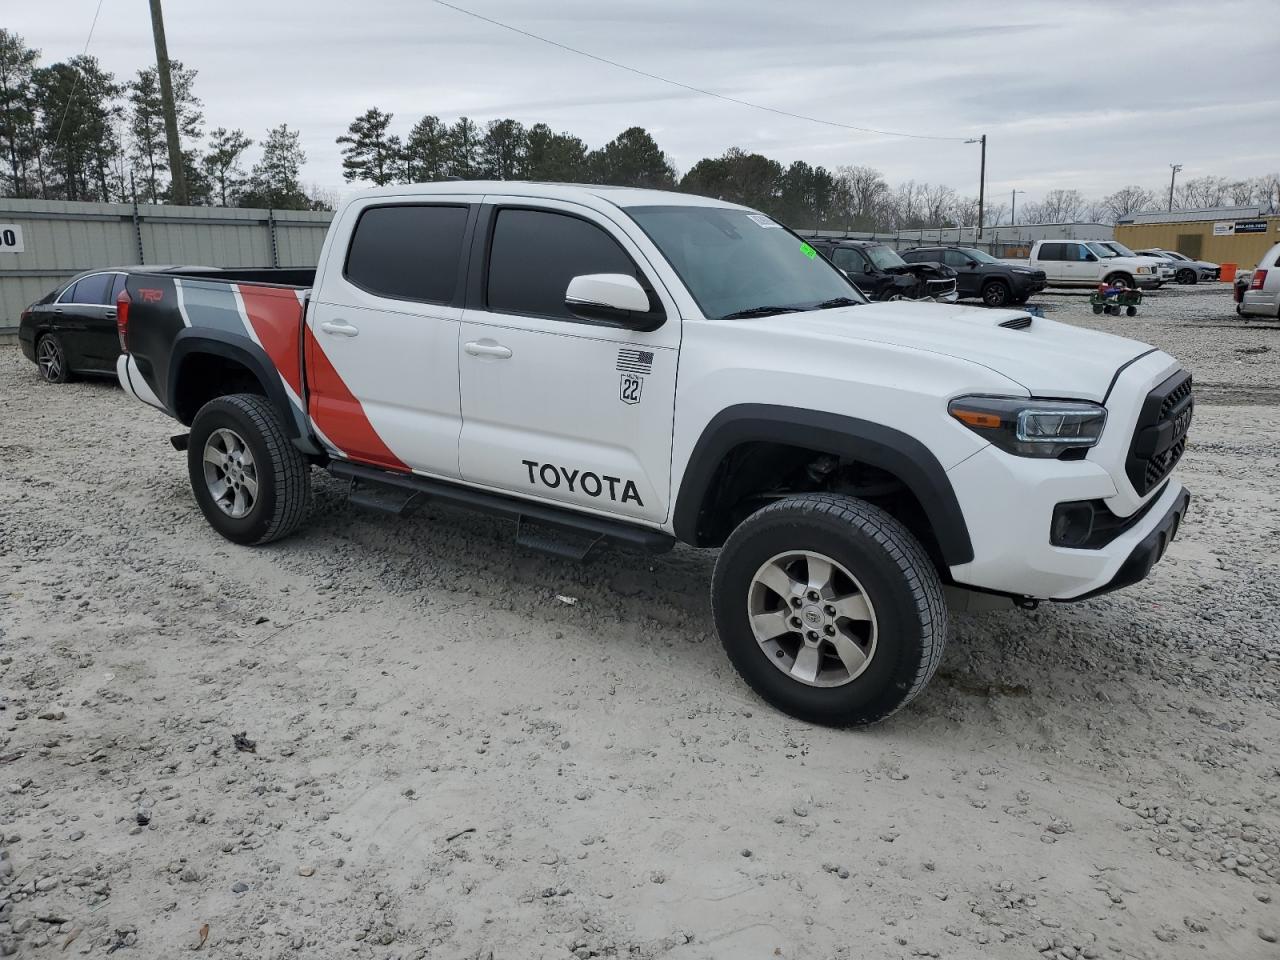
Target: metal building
1239 235
42 242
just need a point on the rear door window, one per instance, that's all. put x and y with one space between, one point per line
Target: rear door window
90 290
1051 251
408 251
535 253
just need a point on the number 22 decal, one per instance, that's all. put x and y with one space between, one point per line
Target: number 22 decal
630 387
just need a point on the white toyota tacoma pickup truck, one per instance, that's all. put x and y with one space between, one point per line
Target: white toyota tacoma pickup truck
642 367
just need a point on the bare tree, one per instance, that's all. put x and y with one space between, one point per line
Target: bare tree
865 194
993 214
1126 200
1058 206
1205 191
907 206
937 201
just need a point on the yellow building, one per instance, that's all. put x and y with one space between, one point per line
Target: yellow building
1239 235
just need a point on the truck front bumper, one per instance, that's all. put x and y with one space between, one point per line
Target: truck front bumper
1149 549
1008 503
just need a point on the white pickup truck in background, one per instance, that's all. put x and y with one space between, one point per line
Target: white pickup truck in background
1087 263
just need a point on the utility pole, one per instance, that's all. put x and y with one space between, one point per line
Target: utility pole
1013 206
982 179
1175 167
178 194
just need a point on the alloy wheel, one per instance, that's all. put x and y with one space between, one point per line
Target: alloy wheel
230 472
49 359
812 619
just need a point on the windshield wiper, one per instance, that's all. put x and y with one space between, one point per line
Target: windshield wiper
837 302
765 311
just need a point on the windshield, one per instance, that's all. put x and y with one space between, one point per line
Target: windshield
736 261
1102 250
1120 248
886 258
980 255
1173 256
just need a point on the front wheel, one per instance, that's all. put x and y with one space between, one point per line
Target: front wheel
995 294
1187 277
252 484
1121 280
830 609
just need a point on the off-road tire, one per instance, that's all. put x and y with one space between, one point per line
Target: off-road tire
996 293
897 576
283 474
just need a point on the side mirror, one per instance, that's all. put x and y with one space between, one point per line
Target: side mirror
613 298
1090 258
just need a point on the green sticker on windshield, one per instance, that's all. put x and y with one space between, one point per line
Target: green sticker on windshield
807 250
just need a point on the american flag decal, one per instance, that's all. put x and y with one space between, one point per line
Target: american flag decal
635 361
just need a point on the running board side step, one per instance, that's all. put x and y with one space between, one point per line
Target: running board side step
397 492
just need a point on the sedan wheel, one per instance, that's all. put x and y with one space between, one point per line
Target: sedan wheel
51 359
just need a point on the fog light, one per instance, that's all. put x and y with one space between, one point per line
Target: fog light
1072 524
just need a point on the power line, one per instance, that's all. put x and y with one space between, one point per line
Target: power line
76 82
686 86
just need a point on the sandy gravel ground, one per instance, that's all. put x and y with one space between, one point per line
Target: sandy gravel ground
449 761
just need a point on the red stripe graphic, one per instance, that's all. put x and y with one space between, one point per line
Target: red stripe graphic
276 315
339 414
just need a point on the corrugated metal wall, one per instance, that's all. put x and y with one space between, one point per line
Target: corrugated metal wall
61 238
1242 249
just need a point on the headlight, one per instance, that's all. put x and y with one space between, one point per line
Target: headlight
1143 270
1032 428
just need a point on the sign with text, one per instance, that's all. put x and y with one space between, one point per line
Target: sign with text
1223 229
11 238
1251 226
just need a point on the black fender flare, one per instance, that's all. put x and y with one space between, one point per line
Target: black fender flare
238 348
872 443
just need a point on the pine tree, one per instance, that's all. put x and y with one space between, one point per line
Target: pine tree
504 151
426 151
274 181
633 159
17 114
463 149
559 157
371 154
77 103
222 162
148 146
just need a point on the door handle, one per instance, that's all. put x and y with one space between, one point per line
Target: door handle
487 348
111 314
340 328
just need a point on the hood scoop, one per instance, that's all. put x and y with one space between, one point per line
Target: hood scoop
1017 323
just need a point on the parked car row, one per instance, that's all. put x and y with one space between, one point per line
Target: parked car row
1186 270
882 274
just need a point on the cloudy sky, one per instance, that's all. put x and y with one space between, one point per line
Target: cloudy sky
1092 95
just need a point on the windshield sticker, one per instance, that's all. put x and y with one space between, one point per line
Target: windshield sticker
761 220
807 250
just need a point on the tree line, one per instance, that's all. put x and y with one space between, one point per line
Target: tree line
71 131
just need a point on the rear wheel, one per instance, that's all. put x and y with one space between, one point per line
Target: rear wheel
51 358
829 609
252 484
995 293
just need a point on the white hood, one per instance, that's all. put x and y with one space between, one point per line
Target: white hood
1049 359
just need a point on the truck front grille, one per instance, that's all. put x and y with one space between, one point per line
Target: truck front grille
1160 438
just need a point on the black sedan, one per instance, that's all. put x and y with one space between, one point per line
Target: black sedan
73 329
978 274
